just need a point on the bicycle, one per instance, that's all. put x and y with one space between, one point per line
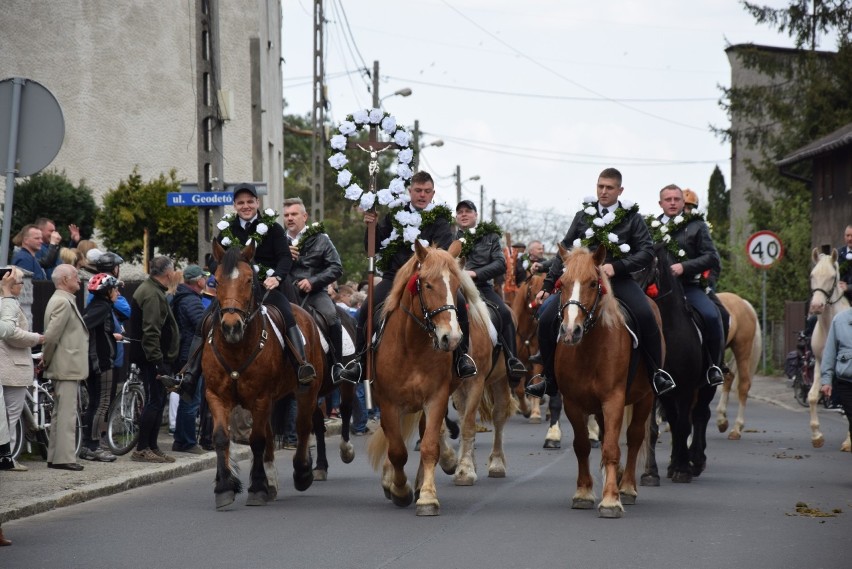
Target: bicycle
33 426
800 368
124 414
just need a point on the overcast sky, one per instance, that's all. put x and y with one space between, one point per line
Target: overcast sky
537 97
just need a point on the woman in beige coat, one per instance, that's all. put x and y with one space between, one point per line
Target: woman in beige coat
16 364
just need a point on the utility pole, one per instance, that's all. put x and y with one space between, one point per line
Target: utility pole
375 91
209 127
318 119
493 211
416 146
482 198
458 184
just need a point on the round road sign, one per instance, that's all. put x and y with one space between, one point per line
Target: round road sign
764 249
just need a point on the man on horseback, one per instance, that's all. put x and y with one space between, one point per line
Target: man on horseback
692 236
273 259
316 264
437 232
483 261
632 251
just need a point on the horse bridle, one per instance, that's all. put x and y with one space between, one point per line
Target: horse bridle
426 322
830 293
590 314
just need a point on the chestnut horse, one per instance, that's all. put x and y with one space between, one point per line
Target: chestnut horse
592 360
827 301
525 310
414 368
244 363
745 341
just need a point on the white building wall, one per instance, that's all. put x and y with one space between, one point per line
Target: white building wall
123 72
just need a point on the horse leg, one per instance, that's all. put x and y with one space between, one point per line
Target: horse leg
393 476
584 497
227 484
610 505
447 458
523 402
502 398
269 464
594 432
258 492
846 446
553 438
680 421
635 437
318 423
347 400
651 476
700 419
303 476
722 407
469 395
817 439
435 409
743 387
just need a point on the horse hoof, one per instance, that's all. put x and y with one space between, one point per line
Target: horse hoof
697 469
320 475
271 494
303 481
682 477
649 480
610 512
535 420
224 499
595 443
497 473
734 436
449 469
257 499
526 413
627 499
582 504
818 442
551 445
723 426
347 452
387 492
464 480
403 501
428 509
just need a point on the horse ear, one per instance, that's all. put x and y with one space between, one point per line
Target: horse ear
455 248
600 255
815 255
248 252
420 250
563 252
218 251
834 255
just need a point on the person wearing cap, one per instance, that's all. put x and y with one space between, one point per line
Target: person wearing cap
189 311
693 238
439 233
633 250
484 262
316 264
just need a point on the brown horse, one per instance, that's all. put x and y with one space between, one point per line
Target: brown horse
745 341
525 311
592 359
414 368
244 364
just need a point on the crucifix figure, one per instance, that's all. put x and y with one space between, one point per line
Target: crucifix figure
374 162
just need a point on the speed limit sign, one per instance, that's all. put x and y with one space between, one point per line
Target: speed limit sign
764 249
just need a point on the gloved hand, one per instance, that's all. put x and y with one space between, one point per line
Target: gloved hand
94 367
164 368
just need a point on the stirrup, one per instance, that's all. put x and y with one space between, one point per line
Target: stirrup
536 358
516 367
541 388
662 382
336 370
306 373
351 373
464 365
717 379
170 382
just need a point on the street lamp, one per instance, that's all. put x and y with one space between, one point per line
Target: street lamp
404 92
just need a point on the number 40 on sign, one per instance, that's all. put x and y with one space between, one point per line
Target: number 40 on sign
764 249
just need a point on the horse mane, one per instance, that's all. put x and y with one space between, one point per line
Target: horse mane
610 313
477 312
230 260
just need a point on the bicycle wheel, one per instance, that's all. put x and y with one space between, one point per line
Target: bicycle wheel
800 391
123 420
19 438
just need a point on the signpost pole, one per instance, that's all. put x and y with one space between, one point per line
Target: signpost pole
763 344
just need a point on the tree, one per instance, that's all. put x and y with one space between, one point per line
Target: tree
50 194
134 206
806 97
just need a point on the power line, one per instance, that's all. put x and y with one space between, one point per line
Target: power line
351 35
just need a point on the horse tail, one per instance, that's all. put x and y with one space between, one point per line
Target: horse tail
377 448
486 404
757 341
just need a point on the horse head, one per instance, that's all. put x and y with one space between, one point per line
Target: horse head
234 289
583 287
824 280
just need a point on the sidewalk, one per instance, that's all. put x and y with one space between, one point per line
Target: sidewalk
39 490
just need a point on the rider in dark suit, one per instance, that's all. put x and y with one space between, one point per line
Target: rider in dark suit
633 251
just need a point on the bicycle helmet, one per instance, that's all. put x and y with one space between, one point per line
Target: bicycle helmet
106 262
102 281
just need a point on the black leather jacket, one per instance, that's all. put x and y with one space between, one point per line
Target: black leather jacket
274 249
485 259
438 233
318 262
694 238
521 274
632 230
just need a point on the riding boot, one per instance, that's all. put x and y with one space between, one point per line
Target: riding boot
515 368
335 333
536 358
662 382
352 371
304 370
464 365
545 387
715 377
192 371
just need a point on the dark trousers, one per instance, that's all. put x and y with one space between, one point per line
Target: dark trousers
712 320
841 392
632 295
100 387
152 413
507 329
185 436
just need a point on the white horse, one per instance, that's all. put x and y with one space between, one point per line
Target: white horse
827 301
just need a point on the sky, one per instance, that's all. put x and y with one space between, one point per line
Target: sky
536 97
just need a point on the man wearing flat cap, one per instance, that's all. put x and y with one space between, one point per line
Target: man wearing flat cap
484 261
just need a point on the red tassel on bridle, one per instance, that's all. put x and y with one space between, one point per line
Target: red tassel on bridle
411 287
602 287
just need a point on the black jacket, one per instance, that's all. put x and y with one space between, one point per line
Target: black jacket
632 230
318 262
437 233
99 321
694 238
274 248
485 259
188 311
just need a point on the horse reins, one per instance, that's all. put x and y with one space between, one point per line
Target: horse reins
591 315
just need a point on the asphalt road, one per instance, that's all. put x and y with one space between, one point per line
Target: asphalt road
740 513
